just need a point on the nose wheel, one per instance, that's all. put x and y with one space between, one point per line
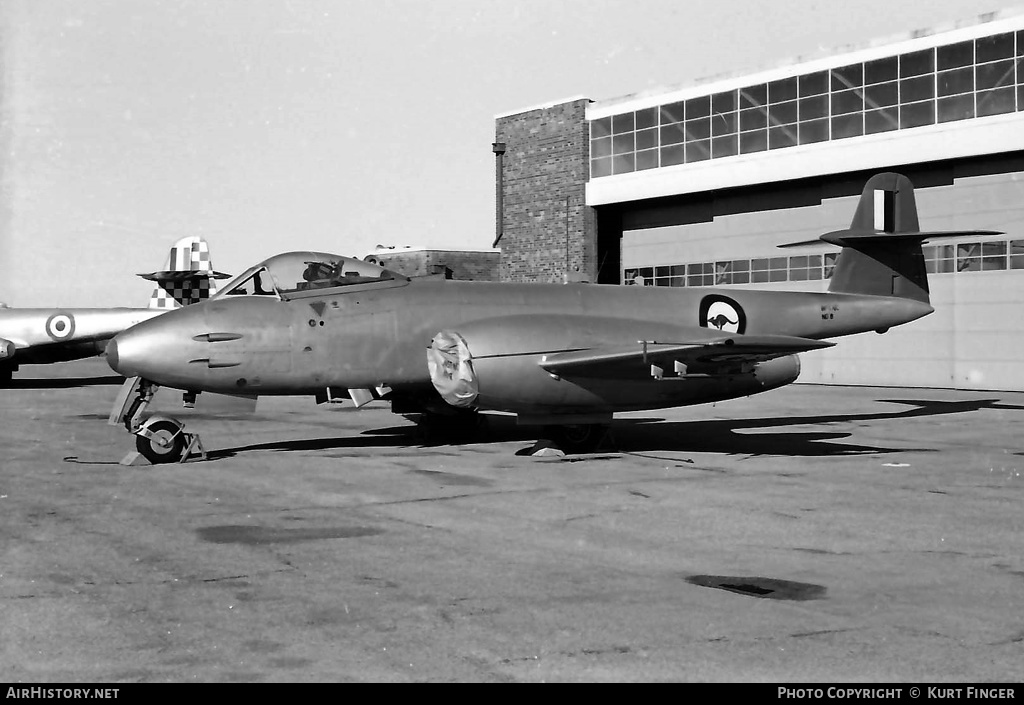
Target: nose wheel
161 441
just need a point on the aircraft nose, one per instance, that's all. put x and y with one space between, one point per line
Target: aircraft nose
112 358
131 353
159 349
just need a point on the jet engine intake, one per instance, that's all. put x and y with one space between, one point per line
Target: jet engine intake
7 349
451 369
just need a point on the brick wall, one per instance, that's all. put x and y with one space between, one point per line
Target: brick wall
548 231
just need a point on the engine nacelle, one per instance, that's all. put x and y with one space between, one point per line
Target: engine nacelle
496 365
7 349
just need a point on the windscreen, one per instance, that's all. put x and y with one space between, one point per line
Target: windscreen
301 271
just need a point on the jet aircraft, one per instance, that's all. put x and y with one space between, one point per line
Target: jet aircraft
33 336
566 356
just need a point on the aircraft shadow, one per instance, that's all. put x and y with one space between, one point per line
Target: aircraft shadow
498 430
728 435
650 434
62 382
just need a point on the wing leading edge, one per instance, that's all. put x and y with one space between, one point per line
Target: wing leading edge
714 356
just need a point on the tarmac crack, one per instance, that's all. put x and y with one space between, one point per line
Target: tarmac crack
820 632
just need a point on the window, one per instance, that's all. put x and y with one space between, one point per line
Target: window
754 96
673 155
813 131
698 107
917 63
724 146
958 107
845 102
647 139
963 80
917 114
753 119
647 159
702 274
954 55
956 81
622 123
756 141
830 263
672 112
994 256
723 124
968 257
698 151
623 163
779 91
847 126
813 84
646 118
848 77
1016 254
259 284
994 48
938 259
880 70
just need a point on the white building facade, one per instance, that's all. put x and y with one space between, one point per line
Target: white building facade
702 183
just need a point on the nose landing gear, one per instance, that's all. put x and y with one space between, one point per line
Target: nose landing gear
159 439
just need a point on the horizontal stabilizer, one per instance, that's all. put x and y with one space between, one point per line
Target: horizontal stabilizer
175 276
721 349
851 238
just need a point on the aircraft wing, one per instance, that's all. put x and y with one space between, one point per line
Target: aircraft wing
719 355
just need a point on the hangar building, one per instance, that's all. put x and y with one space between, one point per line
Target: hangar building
413 261
697 185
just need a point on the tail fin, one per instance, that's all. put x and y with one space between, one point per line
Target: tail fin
187 278
882 253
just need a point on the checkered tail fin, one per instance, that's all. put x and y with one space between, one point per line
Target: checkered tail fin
187 278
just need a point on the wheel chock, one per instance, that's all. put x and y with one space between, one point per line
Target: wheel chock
193 446
544 448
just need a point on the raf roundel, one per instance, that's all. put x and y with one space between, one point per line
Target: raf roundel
721 312
60 326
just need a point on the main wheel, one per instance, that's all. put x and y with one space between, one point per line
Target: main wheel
463 425
166 444
578 438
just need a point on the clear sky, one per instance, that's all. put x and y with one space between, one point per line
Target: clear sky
273 125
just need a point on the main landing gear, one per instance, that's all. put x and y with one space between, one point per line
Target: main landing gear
159 439
577 438
459 426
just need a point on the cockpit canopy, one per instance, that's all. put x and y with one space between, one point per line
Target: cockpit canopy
295 272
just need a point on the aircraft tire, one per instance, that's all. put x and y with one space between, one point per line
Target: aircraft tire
167 432
578 438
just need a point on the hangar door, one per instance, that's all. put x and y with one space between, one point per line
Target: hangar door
974 338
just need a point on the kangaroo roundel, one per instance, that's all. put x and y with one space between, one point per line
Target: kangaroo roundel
723 313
